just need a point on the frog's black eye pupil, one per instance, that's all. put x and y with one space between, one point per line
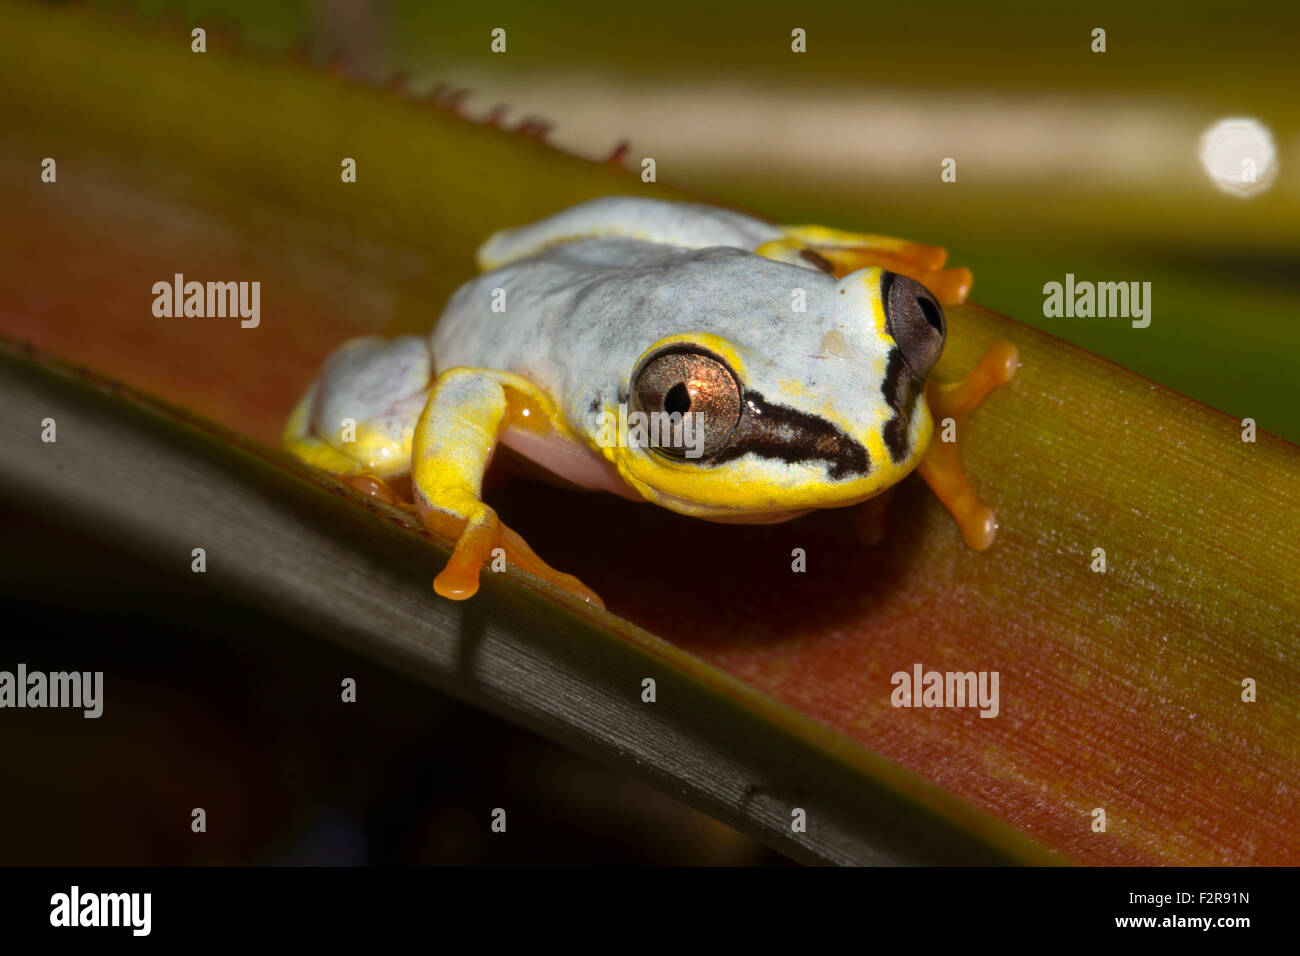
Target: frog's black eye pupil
678 399
931 313
685 385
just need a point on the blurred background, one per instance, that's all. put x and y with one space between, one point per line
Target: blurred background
1067 160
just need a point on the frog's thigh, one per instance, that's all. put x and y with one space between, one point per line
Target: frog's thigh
300 442
840 253
467 411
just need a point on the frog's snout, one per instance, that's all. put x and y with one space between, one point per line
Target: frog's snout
915 320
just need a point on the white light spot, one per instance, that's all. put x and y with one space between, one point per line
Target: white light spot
1239 155
526 412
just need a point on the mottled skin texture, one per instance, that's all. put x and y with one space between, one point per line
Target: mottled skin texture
534 352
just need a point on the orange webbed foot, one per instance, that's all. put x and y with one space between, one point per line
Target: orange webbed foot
941 466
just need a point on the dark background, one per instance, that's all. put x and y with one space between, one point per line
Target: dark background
209 705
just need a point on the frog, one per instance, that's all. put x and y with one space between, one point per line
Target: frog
788 364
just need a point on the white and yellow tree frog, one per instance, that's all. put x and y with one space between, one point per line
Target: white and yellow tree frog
796 357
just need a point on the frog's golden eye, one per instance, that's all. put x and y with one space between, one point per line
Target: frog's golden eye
915 319
688 380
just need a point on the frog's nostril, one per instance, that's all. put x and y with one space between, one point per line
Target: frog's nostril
678 399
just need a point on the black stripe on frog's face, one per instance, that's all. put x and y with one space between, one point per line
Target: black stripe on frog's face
785 434
901 389
915 321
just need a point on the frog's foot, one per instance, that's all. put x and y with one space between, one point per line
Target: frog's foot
941 466
477 539
380 489
840 253
455 438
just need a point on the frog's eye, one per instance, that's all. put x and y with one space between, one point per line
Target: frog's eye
690 381
915 319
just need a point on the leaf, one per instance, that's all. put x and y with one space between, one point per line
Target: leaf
1119 690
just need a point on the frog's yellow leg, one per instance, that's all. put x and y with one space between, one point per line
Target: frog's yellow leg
840 253
941 465
467 412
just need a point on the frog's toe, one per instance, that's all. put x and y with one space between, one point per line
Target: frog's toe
482 535
941 466
841 253
380 489
950 286
474 543
522 556
958 399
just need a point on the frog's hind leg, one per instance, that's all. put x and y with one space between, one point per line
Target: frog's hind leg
299 441
357 419
941 466
457 434
302 444
839 253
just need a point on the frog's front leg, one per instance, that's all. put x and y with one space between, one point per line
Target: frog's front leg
941 465
467 411
839 253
